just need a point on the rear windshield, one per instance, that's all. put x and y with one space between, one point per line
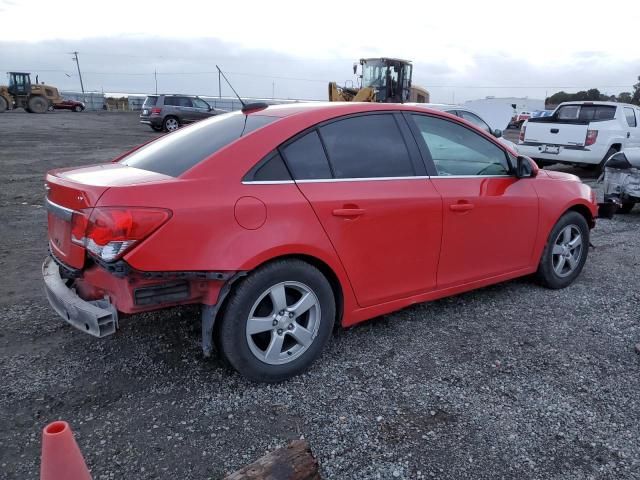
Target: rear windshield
150 101
177 152
586 112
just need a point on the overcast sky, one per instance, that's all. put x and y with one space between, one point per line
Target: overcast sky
461 50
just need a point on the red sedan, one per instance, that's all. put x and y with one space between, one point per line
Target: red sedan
69 105
282 221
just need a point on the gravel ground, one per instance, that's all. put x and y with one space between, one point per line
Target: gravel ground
510 381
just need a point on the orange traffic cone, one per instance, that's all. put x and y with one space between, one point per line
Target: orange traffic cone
61 456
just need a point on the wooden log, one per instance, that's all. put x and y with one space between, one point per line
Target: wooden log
294 462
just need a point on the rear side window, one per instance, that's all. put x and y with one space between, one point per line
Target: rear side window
150 101
178 101
586 113
306 159
631 117
177 152
271 169
367 147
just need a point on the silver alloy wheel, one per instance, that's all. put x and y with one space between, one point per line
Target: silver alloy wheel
567 251
171 124
283 323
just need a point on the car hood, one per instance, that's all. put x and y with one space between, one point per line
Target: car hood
567 177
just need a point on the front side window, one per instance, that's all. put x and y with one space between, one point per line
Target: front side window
457 150
367 146
476 120
631 117
176 153
199 103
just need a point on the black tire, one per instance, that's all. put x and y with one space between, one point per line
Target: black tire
168 124
547 274
232 332
3 105
156 129
626 207
38 104
78 109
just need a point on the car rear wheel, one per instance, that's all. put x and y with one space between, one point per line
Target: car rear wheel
277 321
171 124
566 251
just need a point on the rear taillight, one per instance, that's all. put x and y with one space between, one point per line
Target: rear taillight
108 232
522 132
156 111
592 135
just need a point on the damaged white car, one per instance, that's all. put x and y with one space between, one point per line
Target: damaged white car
622 179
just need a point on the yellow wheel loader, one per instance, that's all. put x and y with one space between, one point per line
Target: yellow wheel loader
21 93
384 80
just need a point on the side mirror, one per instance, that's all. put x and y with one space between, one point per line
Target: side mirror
618 161
497 133
525 168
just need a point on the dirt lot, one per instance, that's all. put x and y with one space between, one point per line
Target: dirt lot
511 381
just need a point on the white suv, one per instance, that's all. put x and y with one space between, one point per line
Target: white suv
585 133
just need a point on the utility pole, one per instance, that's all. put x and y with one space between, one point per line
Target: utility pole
75 59
155 76
219 85
273 90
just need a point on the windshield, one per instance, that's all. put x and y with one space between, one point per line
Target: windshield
374 74
177 152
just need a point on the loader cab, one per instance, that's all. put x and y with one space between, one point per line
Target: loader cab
19 83
389 77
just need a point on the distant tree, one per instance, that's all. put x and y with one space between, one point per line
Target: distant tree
624 97
636 93
593 94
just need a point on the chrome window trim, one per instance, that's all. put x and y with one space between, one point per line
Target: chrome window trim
473 176
367 179
267 182
58 210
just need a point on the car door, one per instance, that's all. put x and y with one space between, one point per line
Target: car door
368 187
186 112
633 131
490 217
201 109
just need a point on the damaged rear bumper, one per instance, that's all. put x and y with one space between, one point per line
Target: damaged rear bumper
96 317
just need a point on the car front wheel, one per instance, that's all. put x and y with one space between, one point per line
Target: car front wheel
566 251
277 321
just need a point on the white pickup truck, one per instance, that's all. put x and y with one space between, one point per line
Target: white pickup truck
581 133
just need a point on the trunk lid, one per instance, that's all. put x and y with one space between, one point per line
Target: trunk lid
556 133
75 189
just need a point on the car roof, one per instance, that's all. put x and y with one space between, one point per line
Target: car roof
335 108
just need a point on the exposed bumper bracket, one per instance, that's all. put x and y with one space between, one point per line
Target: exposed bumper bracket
210 312
97 317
